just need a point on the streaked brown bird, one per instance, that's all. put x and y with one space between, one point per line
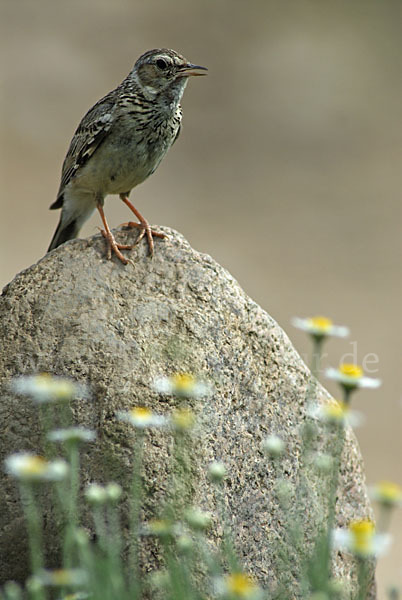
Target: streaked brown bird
120 142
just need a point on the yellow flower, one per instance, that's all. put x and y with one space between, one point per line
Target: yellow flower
351 370
183 385
32 468
351 377
160 527
387 493
47 388
183 382
361 539
320 327
141 413
240 585
321 323
141 417
336 411
63 577
183 419
362 533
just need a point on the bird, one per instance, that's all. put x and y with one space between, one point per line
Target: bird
119 143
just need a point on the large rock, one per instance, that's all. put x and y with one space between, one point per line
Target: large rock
117 327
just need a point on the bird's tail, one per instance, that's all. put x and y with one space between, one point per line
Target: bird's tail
64 232
76 209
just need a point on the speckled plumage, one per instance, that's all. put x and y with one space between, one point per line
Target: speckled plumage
121 141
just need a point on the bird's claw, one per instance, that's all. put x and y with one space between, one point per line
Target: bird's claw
115 247
145 230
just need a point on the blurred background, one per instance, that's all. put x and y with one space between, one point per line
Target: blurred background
287 171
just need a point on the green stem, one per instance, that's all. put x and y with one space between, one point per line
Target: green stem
363 573
319 569
114 553
47 424
347 395
316 357
135 510
72 504
34 527
100 528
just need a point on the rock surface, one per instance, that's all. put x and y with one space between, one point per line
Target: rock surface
118 327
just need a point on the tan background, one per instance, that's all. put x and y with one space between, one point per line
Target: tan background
288 170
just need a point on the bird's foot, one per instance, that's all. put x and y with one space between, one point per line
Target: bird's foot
145 230
115 247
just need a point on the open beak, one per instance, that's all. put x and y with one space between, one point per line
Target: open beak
190 70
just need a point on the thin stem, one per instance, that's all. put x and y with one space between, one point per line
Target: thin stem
135 509
333 488
316 356
347 394
114 552
363 574
72 504
46 422
34 527
320 562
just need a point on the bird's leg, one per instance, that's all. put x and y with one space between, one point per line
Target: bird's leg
143 224
111 242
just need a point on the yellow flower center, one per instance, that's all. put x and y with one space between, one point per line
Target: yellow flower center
140 413
363 535
183 418
60 388
34 465
61 577
351 370
321 323
389 491
183 381
336 412
240 585
63 389
159 526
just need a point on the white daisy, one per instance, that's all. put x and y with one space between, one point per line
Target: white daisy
183 385
141 417
29 467
352 377
320 327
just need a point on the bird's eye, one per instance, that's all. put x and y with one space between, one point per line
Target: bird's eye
161 64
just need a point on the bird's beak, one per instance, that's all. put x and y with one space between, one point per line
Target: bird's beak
190 70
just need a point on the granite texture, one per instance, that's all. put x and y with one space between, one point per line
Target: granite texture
118 327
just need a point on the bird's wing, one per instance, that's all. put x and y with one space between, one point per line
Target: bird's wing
90 133
178 117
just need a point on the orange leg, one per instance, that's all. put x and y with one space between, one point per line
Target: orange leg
111 242
143 224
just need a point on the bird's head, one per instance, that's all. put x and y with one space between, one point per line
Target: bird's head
164 70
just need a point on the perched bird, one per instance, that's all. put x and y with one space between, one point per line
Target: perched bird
120 142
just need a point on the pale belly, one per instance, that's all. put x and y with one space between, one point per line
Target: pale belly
122 162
